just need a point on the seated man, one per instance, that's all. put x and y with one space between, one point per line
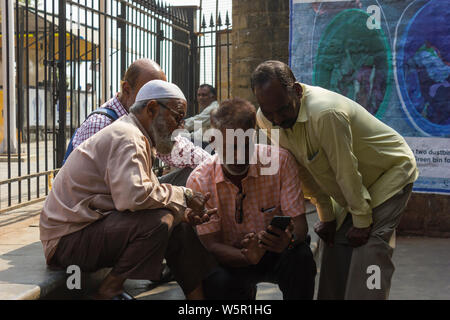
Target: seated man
207 102
107 208
186 155
247 200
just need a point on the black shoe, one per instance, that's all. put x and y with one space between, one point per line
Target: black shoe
166 275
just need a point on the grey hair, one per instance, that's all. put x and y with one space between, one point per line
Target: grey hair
234 113
137 107
272 70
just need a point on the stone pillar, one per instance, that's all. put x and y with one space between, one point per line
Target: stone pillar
260 32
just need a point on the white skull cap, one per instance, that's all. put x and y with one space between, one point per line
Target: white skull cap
159 89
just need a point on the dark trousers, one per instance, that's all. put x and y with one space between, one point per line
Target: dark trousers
134 244
177 177
344 270
294 271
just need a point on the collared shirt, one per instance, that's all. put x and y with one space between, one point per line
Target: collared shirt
185 153
263 193
97 122
349 161
109 171
205 120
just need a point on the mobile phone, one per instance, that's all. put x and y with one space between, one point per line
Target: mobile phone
280 222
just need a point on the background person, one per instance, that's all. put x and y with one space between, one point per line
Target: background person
186 155
207 102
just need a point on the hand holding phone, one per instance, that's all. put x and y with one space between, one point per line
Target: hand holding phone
280 222
278 236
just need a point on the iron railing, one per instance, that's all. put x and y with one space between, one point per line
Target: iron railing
215 53
59 72
69 58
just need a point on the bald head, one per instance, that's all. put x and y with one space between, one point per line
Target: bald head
142 67
138 73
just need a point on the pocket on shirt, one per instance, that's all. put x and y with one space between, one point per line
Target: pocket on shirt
319 163
268 214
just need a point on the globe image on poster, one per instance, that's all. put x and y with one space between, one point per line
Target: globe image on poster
423 67
355 61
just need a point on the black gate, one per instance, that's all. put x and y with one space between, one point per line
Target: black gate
69 58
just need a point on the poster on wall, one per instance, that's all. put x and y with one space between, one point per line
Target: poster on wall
393 58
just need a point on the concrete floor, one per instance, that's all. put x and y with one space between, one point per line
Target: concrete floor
422 273
422 269
422 264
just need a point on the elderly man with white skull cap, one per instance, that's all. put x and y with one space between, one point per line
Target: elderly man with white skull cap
107 208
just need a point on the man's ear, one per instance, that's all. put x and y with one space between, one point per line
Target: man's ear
126 88
298 89
152 109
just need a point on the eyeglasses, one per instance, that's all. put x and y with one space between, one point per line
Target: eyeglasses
239 214
177 115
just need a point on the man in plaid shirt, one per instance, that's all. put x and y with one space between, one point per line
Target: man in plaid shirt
184 153
247 197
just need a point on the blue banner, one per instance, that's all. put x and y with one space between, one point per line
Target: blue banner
393 58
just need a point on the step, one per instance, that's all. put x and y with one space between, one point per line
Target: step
23 272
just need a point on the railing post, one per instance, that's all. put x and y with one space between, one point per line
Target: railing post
159 39
62 87
9 144
194 57
123 39
105 44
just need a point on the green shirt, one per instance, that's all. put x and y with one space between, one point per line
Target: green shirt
349 161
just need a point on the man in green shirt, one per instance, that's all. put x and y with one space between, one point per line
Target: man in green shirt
356 170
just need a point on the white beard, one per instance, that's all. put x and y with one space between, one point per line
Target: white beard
162 136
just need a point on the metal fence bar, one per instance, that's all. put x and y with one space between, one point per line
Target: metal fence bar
37 91
29 176
28 101
215 54
8 92
45 99
62 101
66 64
19 59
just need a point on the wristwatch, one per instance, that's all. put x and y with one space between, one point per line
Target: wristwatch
188 194
294 242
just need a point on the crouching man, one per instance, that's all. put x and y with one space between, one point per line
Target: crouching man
107 208
247 197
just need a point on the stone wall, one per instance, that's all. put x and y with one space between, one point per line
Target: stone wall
426 215
260 32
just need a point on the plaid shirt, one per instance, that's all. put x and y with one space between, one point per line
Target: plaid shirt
184 153
263 193
97 122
